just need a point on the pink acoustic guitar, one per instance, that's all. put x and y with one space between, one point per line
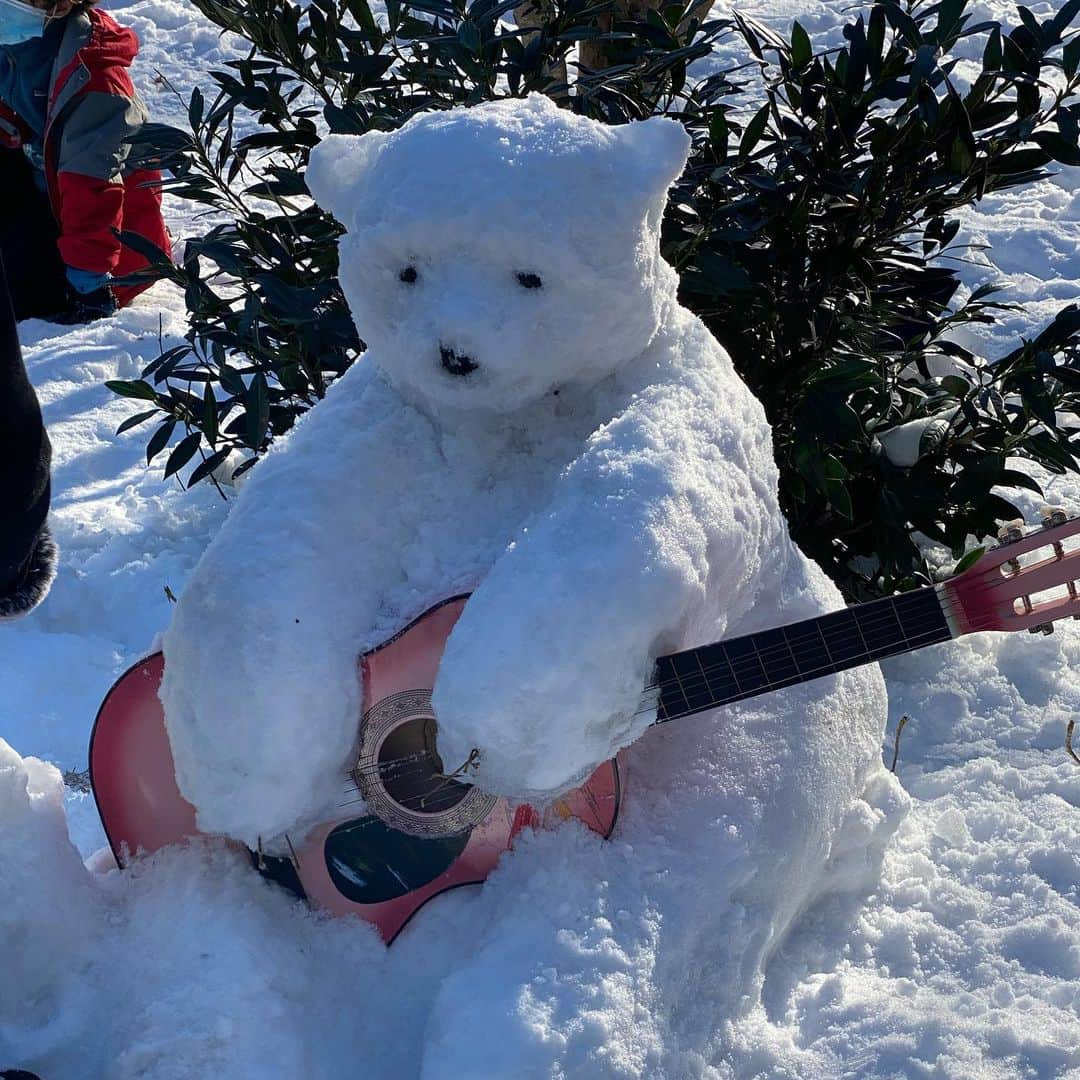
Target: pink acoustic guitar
421 832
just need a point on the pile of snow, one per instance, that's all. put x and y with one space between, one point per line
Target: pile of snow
945 952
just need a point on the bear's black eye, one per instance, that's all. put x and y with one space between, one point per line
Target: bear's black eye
408 275
530 281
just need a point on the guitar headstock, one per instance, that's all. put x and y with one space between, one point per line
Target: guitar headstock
1028 581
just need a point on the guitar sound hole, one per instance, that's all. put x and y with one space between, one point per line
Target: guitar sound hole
411 771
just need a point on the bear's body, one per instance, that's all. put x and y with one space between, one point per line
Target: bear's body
539 422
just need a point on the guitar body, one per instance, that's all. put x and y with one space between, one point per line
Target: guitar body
419 833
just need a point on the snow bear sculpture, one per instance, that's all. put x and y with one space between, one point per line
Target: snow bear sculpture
538 422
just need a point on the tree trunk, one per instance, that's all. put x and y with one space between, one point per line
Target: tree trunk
533 14
596 55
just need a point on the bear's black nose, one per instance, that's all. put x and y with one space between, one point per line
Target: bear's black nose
456 363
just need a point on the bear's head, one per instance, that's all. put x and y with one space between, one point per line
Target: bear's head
499 253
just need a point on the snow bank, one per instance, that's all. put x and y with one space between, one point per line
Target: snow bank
48 913
188 966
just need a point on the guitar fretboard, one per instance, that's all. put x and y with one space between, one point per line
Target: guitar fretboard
743 667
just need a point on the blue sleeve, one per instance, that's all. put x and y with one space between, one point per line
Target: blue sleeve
86 281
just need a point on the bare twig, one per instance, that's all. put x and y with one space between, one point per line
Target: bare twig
896 742
77 779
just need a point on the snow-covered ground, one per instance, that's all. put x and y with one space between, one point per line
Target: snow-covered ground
958 960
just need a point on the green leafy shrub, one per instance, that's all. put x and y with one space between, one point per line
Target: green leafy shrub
814 231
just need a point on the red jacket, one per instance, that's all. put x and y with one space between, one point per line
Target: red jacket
93 119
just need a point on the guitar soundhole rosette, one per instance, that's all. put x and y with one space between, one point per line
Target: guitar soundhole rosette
401 777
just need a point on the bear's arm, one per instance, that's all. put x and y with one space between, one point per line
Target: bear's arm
655 534
261 692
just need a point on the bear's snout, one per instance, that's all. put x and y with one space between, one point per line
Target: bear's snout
455 362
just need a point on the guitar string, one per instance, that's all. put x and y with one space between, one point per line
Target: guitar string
750 664
388 768
910 630
925 624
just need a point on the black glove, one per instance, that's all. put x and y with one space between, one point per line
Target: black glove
86 307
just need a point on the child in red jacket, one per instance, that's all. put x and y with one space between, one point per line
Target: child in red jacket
70 120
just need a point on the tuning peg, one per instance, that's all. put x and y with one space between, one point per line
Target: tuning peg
1010 532
1052 515
1042 628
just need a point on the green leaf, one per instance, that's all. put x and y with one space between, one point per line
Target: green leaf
469 36
231 381
257 404
722 272
836 487
1063 19
991 58
205 468
801 50
1018 479
858 56
1029 20
135 421
718 133
956 385
1027 99
362 13
754 130
139 389
1069 377
1056 146
961 156
875 39
210 414
1020 161
195 109
847 371
1070 56
159 440
184 452
903 24
949 21
976 480
969 560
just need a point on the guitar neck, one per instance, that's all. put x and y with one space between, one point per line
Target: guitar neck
690 682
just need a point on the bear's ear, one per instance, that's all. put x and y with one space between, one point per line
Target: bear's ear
656 151
335 166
